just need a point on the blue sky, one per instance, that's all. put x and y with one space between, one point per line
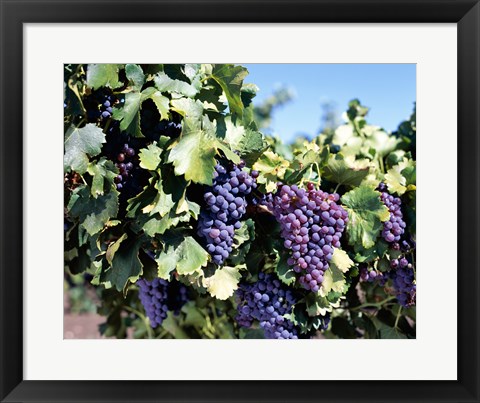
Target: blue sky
388 89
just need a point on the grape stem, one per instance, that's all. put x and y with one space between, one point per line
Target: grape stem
398 317
373 304
143 318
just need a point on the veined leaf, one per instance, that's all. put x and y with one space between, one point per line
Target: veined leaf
366 213
80 144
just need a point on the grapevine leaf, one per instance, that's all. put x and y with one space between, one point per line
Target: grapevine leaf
271 168
103 75
317 305
395 182
103 170
150 157
284 272
185 255
113 248
126 265
365 215
135 74
93 213
234 134
160 225
333 280
346 171
162 104
187 107
162 203
80 144
341 260
251 146
230 78
224 282
191 256
164 83
193 155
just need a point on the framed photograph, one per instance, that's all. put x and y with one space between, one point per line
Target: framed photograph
234 174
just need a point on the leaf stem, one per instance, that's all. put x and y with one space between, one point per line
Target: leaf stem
398 317
144 319
373 304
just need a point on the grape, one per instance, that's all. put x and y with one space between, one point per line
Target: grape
371 275
266 301
394 228
311 224
225 205
99 106
151 125
403 279
160 296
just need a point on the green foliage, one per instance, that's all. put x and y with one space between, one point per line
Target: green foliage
118 237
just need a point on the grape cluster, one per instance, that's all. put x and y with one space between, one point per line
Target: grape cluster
225 205
372 275
394 228
125 164
160 296
99 105
312 224
403 278
151 125
266 301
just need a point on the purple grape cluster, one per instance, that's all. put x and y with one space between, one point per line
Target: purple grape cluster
151 125
372 275
99 105
266 301
125 165
225 205
394 228
312 224
160 296
403 279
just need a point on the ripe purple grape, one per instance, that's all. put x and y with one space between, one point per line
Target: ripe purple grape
266 302
312 224
225 205
394 228
160 296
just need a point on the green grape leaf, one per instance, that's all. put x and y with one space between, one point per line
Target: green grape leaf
346 171
318 305
93 213
101 172
230 78
271 168
135 75
79 145
284 272
251 146
157 225
366 213
193 154
126 265
103 75
333 280
395 182
188 107
162 103
164 83
233 134
129 113
163 202
150 157
224 282
341 260
183 254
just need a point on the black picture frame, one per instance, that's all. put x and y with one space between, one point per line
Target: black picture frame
14 13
